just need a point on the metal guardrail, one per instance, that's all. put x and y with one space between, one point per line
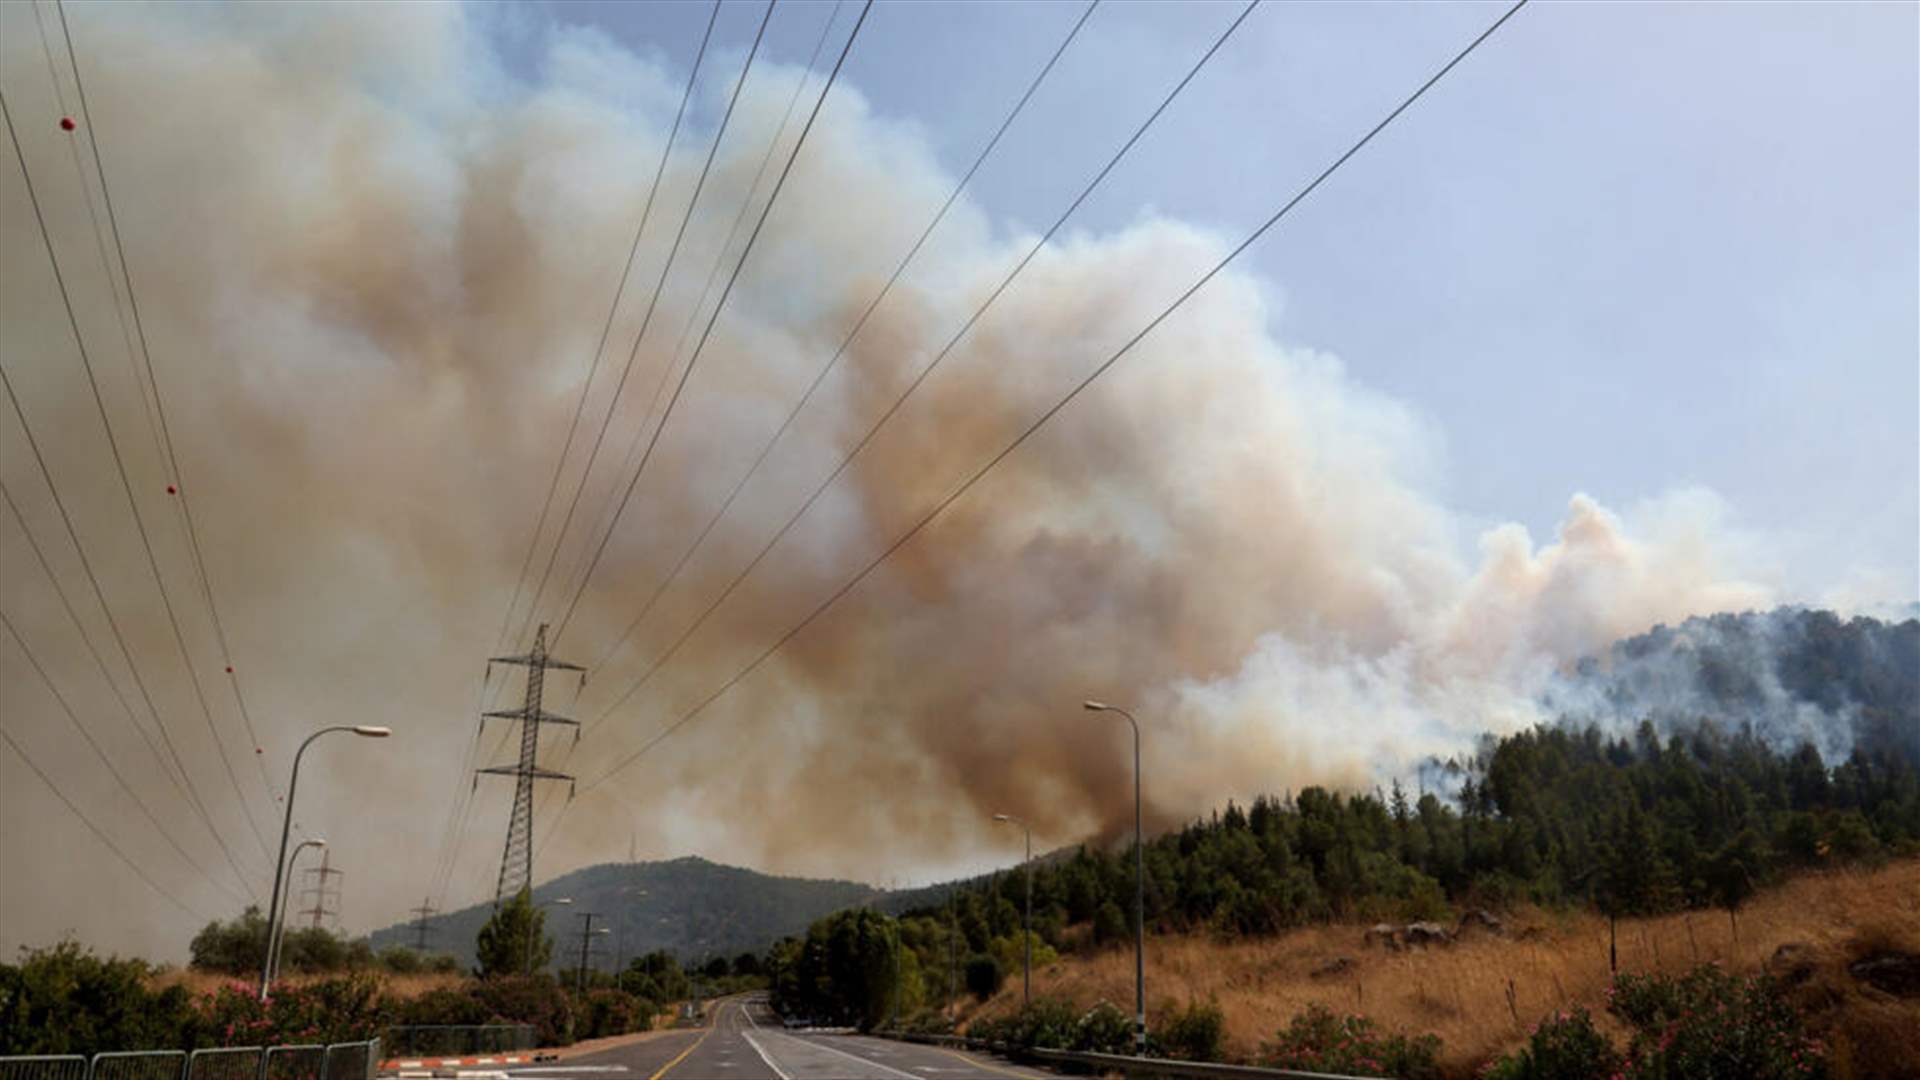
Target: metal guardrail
1132 1067
351 1061
340 1061
414 1040
226 1063
308 1062
44 1067
138 1065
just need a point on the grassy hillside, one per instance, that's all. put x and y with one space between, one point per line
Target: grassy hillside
690 907
1482 994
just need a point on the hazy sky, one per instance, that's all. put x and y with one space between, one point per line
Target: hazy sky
1641 279
1638 247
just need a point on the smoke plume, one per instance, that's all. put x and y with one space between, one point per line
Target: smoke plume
373 262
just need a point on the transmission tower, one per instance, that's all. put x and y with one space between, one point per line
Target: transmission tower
420 927
321 893
516 861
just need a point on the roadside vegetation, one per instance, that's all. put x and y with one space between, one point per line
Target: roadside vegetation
66 999
1336 928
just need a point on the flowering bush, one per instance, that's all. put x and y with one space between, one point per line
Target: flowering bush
1319 1040
1048 1023
1710 1023
1564 1046
1104 1029
530 999
346 1009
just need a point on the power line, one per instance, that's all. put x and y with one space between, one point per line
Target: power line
733 277
462 802
126 484
705 334
858 325
93 744
160 411
1054 410
606 330
100 663
99 235
928 369
713 277
646 321
113 623
95 829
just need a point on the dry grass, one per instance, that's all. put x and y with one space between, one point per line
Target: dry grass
401 986
1483 994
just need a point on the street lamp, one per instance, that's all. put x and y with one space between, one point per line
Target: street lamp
275 901
1026 966
558 901
1139 887
277 932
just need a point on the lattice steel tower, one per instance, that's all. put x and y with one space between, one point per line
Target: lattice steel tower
516 862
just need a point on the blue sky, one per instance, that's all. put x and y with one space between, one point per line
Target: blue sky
1626 249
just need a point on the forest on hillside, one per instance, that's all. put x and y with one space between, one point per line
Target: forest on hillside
1551 816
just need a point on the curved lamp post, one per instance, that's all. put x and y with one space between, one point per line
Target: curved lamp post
277 933
1139 887
274 900
1026 925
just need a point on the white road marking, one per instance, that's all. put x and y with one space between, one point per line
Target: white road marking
821 1045
758 1049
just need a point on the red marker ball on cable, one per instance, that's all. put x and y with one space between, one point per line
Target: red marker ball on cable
67 124
171 490
229 669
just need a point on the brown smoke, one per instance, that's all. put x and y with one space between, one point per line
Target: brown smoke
372 270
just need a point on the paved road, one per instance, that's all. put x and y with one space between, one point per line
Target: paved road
747 1043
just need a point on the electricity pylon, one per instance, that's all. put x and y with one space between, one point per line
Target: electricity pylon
322 893
420 927
516 861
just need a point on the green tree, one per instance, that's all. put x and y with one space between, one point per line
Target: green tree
1731 874
984 976
237 947
514 939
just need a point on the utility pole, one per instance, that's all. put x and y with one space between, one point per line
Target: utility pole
516 860
420 927
586 941
321 892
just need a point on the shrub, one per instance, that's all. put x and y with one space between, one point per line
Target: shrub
1104 1029
611 1012
984 976
401 960
1195 1033
530 999
1048 1023
67 1000
344 1009
449 1006
1564 1046
1318 1040
1710 1023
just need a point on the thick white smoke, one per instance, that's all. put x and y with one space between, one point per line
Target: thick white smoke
373 263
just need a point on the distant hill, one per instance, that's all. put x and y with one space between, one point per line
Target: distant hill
689 906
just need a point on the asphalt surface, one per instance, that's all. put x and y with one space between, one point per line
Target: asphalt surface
746 1042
